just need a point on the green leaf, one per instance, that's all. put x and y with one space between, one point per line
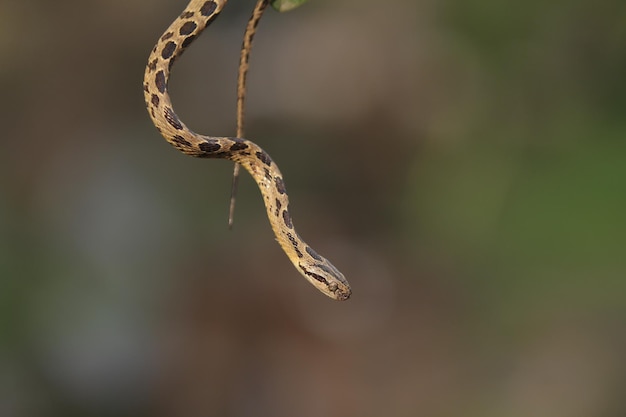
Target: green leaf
286 5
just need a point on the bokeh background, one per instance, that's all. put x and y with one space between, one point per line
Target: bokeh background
463 162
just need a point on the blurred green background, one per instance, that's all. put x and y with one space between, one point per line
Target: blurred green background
463 162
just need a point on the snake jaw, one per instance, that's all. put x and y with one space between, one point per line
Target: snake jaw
340 292
341 289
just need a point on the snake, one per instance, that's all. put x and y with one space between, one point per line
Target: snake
197 15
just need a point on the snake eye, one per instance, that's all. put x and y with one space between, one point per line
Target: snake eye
333 286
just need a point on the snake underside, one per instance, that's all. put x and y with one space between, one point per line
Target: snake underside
194 19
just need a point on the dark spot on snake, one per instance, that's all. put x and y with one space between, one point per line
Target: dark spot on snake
155 100
211 19
188 40
313 275
280 185
313 254
146 88
331 271
168 50
208 8
187 15
181 141
278 206
287 220
263 156
166 36
238 145
159 80
152 65
172 119
295 245
188 27
268 175
209 146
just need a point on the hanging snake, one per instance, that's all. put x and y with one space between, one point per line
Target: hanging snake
192 21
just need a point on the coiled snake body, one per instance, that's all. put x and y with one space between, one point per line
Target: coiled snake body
195 18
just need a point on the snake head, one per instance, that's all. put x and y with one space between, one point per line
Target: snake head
325 277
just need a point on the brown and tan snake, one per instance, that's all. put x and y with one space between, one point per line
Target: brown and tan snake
194 19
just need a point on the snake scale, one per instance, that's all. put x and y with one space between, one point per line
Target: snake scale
192 21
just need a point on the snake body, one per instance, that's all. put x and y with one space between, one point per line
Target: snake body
192 21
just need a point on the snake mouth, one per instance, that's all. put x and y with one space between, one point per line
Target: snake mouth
340 293
343 294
